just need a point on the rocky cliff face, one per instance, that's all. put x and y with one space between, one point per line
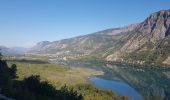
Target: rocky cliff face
157 26
149 39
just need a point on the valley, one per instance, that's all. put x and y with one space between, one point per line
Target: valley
125 63
60 76
119 78
145 43
57 75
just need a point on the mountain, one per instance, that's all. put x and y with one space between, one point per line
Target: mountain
147 42
40 45
20 49
7 51
13 50
81 45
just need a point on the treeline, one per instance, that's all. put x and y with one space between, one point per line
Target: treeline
31 88
91 93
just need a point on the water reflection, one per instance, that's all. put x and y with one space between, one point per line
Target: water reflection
151 84
120 88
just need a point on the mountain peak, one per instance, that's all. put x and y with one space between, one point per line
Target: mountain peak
157 25
164 11
41 44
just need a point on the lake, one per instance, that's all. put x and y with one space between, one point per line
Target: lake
135 82
121 89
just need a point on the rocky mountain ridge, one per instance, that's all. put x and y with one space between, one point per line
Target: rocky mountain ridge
150 40
81 45
146 42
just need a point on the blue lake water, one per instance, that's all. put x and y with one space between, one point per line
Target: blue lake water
120 88
137 83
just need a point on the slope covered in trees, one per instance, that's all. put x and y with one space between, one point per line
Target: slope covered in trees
33 88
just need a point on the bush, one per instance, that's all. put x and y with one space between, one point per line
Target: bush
31 88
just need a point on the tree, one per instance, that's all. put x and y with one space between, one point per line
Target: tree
0 56
13 71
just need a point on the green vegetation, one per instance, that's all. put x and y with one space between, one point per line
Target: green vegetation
91 93
22 81
154 54
142 55
161 53
31 88
55 74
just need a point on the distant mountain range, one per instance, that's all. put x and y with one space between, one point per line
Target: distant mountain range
13 50
82 45
143 43
146 42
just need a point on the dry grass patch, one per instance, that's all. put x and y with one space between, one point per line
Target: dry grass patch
57 75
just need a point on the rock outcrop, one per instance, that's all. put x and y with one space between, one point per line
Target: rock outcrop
147 38
148 41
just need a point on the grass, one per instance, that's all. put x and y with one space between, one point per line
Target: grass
57 75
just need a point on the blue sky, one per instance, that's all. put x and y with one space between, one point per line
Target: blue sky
26 22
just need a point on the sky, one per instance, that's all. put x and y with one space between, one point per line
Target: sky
23 23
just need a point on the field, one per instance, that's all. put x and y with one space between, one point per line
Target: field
57 75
